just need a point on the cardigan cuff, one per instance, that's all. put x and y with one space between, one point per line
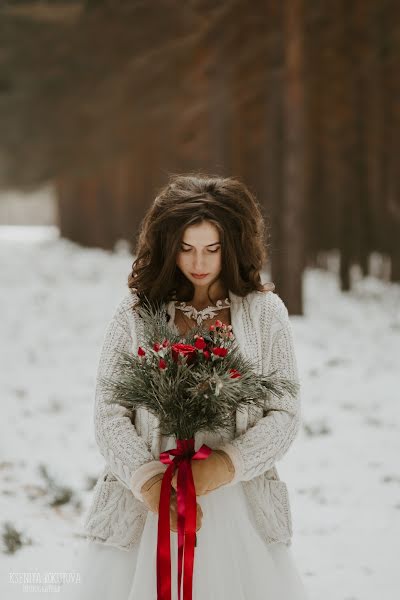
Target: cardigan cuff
237 460
143 474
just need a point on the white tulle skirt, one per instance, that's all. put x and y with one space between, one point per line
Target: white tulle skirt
231 560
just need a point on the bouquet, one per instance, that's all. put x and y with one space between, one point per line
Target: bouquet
191 384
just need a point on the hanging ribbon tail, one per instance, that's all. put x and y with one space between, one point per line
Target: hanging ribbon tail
186 502
163 545
181 503
190 535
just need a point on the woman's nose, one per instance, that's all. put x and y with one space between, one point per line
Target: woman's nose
198 263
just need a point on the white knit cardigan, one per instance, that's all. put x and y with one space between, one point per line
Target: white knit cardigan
262 328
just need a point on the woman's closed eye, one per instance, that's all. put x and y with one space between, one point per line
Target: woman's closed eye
189 249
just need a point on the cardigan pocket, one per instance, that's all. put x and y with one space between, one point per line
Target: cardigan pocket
270 506
280 502
115 517
276 507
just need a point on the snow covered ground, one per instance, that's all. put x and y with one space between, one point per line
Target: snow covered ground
342 471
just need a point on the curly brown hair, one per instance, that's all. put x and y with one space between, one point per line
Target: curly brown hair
187 200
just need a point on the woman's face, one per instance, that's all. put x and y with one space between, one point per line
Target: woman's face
200 253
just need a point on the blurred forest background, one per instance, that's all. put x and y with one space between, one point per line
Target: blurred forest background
101 99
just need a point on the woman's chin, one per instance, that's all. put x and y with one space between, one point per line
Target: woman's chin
201 282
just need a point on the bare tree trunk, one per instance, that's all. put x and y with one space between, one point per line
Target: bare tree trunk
392 204
317 201
85 210
293 225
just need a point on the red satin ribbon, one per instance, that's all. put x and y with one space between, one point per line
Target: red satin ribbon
186 502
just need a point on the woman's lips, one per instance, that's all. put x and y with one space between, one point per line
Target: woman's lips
199 276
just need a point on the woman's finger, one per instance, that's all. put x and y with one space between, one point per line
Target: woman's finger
174 516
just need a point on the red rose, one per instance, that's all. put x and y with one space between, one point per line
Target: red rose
218 323
141 352
200 343
162 364
234 373
165 343
156 346
206 354
185 350
219 351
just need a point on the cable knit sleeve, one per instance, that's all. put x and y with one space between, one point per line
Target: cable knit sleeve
266 442
126 452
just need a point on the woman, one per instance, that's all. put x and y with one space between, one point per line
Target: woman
200 252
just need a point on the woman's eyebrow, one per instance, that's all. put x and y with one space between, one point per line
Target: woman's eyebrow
213 244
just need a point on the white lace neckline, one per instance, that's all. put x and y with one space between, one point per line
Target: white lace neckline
205 313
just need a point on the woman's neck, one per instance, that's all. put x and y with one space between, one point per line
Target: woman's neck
201 296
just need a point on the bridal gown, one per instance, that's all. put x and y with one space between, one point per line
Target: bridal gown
231 561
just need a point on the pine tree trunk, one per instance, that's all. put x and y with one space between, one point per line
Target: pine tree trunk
293 213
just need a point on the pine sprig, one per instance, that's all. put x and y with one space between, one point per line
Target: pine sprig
191 384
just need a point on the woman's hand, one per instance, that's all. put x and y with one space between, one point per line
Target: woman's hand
151 491
173 512
210 473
